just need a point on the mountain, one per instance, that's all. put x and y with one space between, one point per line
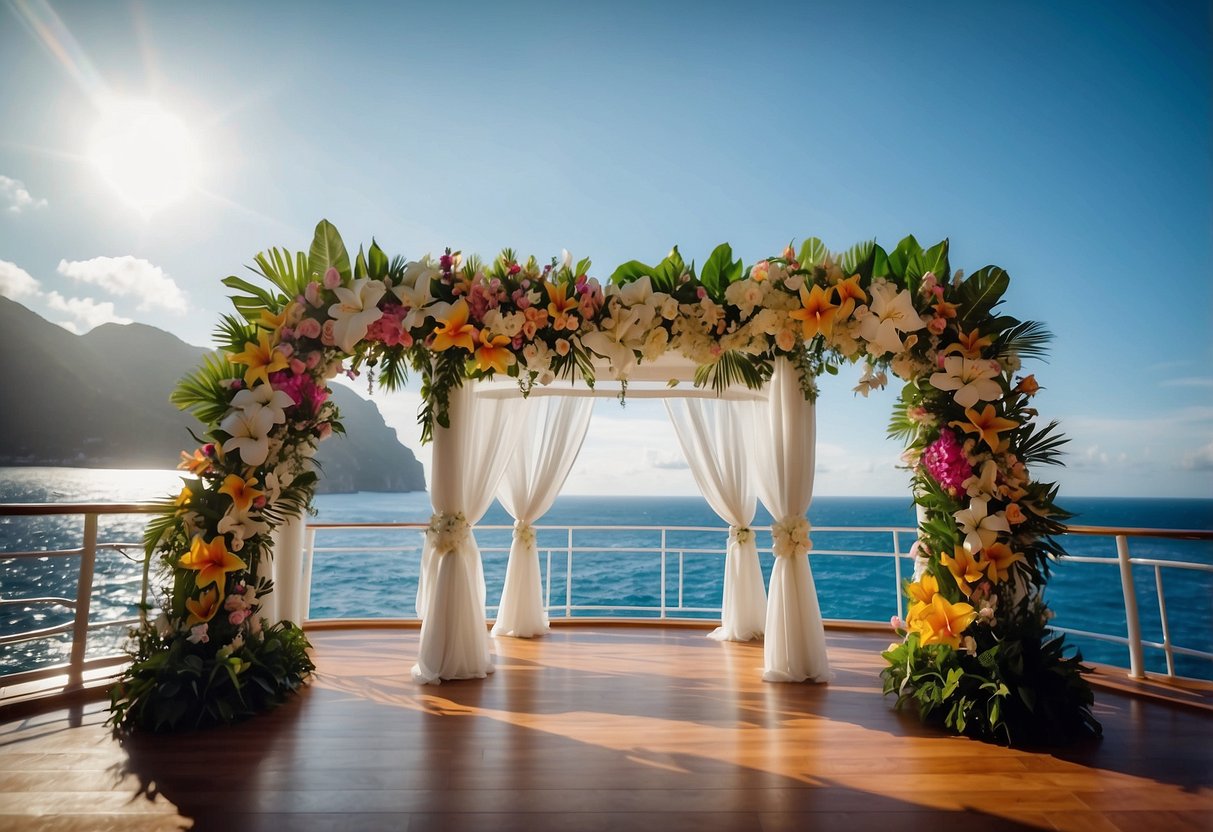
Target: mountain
101 400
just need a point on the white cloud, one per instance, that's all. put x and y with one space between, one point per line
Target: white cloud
666 460
129 275
90 313
14 192
16 282
1200 459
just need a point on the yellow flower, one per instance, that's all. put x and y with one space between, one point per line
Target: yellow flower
964 568
816 313
924 590
274 322
197 464
986 424
970 345
212 561
492 354
241 491
454 330
848 294
998 561
204 607
559 303
942 622
261 358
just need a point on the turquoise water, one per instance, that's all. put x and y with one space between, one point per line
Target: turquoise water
383 583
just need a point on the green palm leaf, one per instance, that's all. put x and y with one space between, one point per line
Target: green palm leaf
732 369
204 392
1028 339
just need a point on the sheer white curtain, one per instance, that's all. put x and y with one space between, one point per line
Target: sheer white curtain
467 462
795 648
551 436
290 573
717 439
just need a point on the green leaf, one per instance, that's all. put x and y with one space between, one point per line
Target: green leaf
858 258
328 251
953 682
377 263
980 293
900 257
631 271
812 253
718 270
360 268
935 260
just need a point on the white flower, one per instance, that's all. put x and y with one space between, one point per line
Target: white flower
972 379
871 380
525 533
240 524
891 312
790 537
981 529
264 396
414 291
983 484
163 626
621 335
198 634
355 311
448 532
249 430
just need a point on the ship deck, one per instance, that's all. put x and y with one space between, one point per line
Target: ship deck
600 727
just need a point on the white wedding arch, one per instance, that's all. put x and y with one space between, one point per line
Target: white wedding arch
509 353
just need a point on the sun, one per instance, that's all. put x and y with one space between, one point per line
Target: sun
145 153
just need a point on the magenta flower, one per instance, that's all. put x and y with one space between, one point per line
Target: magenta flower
945 461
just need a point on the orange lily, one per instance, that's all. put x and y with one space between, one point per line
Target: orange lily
274 322
987 424
183 499
964 568
817 312
999 559
970 344
204 607
848 293
492 353
261 358
454 330
212 560
197 464
241 491
945 309
942 622
559 304
924 590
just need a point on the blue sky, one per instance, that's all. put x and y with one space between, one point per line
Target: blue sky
1069 143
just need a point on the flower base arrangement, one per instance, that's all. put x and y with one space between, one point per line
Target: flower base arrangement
976 653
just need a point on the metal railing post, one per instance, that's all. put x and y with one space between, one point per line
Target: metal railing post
1162 616
309 545
681 557
663 572
84 595
897 574
568 578
547 597
1132 621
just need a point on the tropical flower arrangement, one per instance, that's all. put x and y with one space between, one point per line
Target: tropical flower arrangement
975 650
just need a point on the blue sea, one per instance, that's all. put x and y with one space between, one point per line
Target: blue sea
371 574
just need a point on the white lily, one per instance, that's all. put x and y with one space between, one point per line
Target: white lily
621 335
891 312
972 379
241 524
414 291
355 312
249 430
981 528
870 381
264 396
983 484
638 291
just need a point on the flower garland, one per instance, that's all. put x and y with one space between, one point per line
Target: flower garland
975 651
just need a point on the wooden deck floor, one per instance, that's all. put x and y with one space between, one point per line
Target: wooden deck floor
600 728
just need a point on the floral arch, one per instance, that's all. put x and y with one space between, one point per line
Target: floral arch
974 654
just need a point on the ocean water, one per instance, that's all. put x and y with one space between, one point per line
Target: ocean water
369 574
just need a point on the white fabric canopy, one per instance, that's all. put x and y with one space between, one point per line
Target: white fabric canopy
467 463
551 436
717 439
794 649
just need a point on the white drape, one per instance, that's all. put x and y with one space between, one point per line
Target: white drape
794 649
291 573
467 462
717 439
551 436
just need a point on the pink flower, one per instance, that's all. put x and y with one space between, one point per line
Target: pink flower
328 333
937 325
308 328
945 461
312 294
896 623
237 618
298 367
302 389
562 346
332 278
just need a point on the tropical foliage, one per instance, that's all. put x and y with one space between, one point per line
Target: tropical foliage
976 652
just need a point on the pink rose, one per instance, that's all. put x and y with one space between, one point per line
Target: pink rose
332 278
312 293
328 335
308 328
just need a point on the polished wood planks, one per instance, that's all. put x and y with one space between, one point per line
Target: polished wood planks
599 728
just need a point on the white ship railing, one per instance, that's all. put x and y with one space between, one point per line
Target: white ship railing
672 558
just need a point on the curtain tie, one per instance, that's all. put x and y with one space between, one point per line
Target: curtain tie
790 537
524 533
448 532
740 535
